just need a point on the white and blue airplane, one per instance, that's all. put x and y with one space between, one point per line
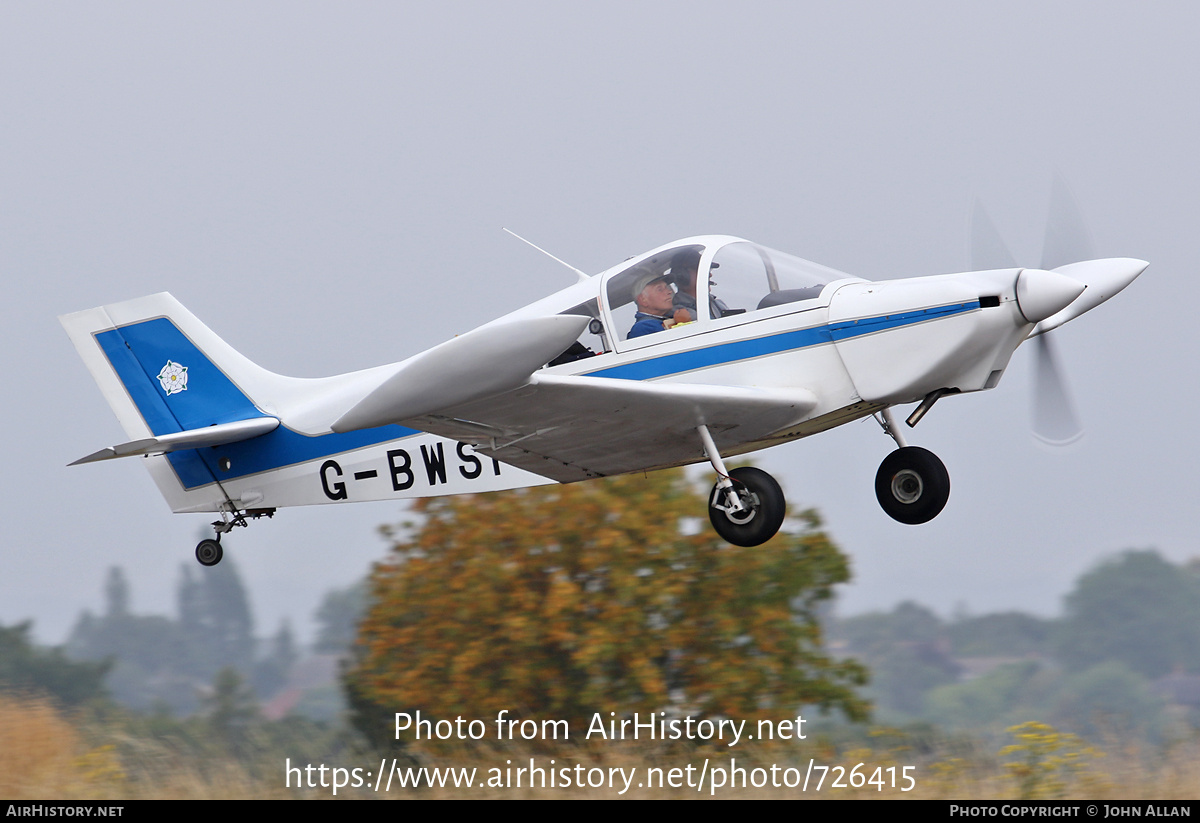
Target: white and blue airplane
738 347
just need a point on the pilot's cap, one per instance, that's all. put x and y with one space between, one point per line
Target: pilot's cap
645 279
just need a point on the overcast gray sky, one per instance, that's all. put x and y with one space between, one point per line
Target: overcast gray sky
325 184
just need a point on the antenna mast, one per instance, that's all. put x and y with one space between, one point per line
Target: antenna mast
582 276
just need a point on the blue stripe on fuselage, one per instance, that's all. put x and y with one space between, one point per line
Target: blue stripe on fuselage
723 353
139 351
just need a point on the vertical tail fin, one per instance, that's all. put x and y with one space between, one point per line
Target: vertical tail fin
174 386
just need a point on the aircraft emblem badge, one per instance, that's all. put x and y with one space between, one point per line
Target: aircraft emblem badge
173 378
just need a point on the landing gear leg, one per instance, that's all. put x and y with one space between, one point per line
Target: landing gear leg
746 507
885 419
912 484
209 551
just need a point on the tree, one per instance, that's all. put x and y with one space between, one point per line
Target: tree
271 671
338 617
1108 699
231 709
144 655
155 660
908 652
116 593
1138 609
562 601
1010 634
215 616
25 668
994 697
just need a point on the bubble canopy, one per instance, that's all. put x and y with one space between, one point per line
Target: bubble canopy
719 280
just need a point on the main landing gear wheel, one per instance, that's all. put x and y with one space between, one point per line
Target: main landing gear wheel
912 485
763 510
209 552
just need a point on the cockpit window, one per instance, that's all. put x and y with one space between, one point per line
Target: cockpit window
745 277
683 291
651 273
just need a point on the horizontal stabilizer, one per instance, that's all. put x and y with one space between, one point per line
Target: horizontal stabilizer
217 435
489 360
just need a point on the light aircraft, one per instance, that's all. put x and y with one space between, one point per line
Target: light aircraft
776 348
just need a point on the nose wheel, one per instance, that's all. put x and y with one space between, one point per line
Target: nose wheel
758 512
912 485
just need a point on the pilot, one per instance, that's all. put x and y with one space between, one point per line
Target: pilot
685 268
654 297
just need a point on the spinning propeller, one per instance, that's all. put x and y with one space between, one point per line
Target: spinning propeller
1067 241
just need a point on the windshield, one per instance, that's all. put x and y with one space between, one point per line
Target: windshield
745 277
682 291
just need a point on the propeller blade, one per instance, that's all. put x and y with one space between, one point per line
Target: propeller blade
1054 420
988 250
1067 241
1067 237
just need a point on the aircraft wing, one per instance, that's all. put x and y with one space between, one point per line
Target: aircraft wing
572 428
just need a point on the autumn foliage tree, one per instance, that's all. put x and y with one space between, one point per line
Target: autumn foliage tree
560 601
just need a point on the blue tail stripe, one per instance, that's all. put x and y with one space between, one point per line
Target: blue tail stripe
210 396
151 402
138 353
284 447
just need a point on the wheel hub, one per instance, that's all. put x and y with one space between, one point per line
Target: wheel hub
907 486
747 508
750 504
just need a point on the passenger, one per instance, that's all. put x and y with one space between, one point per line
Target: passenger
653 296
685 270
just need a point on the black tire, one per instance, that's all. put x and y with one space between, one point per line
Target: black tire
209 552
912 485
765 508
